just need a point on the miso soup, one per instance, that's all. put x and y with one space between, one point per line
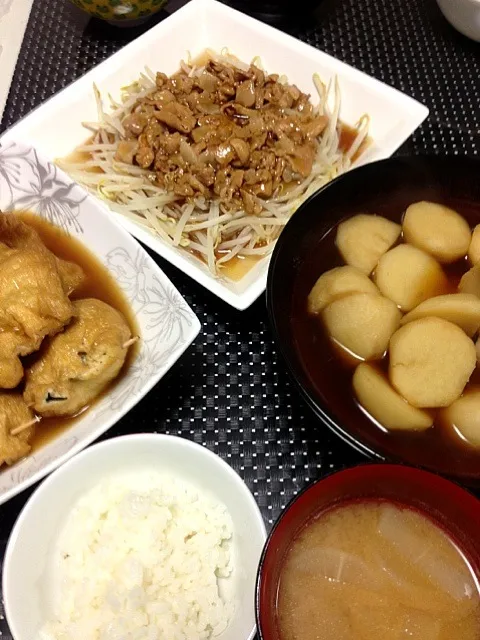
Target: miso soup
376 571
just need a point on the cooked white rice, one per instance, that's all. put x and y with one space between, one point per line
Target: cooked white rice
140 558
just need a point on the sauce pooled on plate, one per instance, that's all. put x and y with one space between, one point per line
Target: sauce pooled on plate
67 332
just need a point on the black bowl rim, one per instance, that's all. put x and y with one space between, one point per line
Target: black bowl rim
325 416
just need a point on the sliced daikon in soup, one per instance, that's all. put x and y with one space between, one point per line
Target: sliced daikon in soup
368 570
403 529
337 566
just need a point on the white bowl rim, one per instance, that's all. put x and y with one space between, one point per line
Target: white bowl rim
80 459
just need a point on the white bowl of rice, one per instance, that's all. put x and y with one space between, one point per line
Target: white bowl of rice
142 537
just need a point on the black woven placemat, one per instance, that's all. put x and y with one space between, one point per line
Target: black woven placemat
230 391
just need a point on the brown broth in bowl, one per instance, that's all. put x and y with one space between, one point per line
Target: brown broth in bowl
366 570
330 369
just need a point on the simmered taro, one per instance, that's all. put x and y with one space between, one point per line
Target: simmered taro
438 230
338 283
379 398
425 345
470 281
362 323
431 361
409 276
363 239
464 415
463 309
474 247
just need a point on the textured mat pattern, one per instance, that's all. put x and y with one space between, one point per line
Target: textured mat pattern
230 392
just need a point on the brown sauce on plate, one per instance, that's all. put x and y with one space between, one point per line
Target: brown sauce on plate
347 138
98 284
238 266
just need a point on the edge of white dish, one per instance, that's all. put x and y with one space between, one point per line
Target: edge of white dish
207 23
168 326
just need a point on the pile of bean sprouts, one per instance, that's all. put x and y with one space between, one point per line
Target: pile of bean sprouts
202 226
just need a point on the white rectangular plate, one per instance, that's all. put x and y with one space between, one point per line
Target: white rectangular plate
13 22
167 324
55 127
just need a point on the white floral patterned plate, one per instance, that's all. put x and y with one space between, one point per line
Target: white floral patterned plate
167 325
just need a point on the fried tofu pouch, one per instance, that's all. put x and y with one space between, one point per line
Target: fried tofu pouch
13 414
33 304
16 234
78 364
34 290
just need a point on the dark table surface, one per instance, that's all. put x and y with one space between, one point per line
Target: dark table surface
230 391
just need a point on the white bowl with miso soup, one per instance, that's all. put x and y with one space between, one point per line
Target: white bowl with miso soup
383 551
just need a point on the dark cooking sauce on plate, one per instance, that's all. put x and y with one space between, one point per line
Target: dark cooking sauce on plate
98 284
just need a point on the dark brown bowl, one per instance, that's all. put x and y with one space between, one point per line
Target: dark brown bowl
302 254
452 508
278 12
